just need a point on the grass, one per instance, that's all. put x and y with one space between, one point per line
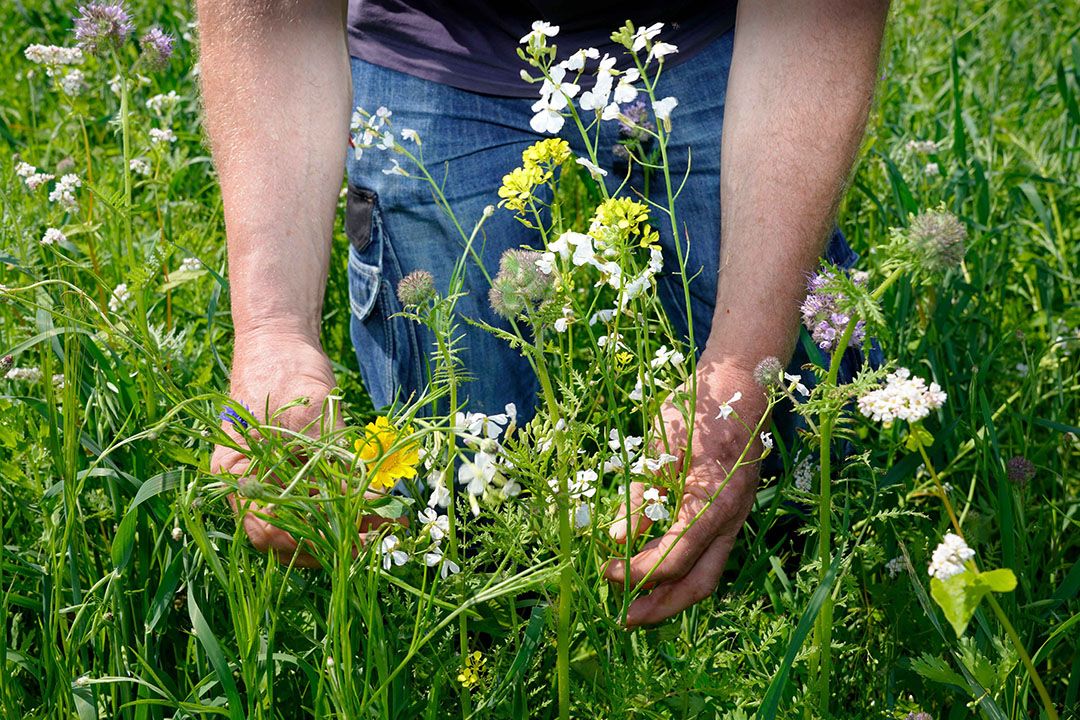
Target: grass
127 591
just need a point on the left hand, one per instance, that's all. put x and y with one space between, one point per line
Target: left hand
691 570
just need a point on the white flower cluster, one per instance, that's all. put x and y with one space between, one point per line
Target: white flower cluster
53 236
73 82
924 147
162 135
53 55
139 166
483 475
63 192
895 566
902 398
24 374
31 176
121 296
804 474
373 130
949 557
162 102
190 264
606 94
640 464
582 487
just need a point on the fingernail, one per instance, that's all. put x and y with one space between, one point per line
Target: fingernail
618 530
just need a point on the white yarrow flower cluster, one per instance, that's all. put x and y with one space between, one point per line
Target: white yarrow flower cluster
121 296
162 102
73 82
139 166
902 398
804 474
53 55
31 176
949 557
63 193
895 566
29 375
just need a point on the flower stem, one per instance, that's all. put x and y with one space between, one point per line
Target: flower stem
1048 704
941 490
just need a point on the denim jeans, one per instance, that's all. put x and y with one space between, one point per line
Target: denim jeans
469 142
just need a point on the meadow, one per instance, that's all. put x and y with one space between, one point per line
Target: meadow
129 590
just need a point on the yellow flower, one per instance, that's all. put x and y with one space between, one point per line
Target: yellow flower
518 186
552 150
387 467
469 676
622 359
628 218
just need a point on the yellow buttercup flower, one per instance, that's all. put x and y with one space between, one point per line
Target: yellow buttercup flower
387 467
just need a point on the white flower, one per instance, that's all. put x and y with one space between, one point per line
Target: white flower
561 324
655 505
190 264
37 180
540 30
597 97
664 356
548 119
925 147
603 316
644 34
162 135
139 166
554 85
434 557
25 169
64 191
663 109
53 55
638 393
440 495
625 91
646 465
546 263
594 170
804 474
161 102
797 383
382 114
73 82
53 236
29 375
410 134
660 50
177 534
931 169
476 425
438 526
949 557
395 169
478 473
630 443
902 398
766 440
895 566
582 516
391 555
726 409
576 62
121 296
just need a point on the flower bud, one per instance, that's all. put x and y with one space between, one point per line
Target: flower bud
768 371
1020 470
416 288
936 238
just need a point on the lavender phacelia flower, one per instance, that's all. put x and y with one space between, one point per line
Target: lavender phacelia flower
936 239
157 47
416 288
102 24
1020 470
634 122
822 314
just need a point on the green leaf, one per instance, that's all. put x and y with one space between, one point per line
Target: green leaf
390 506
959 596
918 436
999 581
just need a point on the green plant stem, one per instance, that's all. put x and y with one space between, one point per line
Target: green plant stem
941 490
1048 704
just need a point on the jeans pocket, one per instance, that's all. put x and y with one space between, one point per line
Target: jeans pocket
371 298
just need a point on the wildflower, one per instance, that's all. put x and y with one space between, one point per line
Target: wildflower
949 557
628 218
902 398
440 495
102 24
157 48
644 34
582 516
73 82
576 62
931 169
822 315
804 474
625 91
53 236
478 473
411 135
923 147
520 285
548 118
767 441
650 466
121 296
230 415
563 323
177 534
162 135
58 381
655 505
139 166
628 444
553 151
469 677
395 169
29 375
663 109
434 557
416 288
660 50
895 566
540 31
476 425
597 97
374 450
438 526
53 55
935 239
162 102
190 264
391 555
725 409
63 192
595 171
1020 470
767 372
664 356
797 384
517 187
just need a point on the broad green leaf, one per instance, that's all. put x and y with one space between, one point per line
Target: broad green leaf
960 595
998 581
918 436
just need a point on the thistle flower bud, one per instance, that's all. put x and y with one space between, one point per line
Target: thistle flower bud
936 239
7 362
416 288
1020 470
768 371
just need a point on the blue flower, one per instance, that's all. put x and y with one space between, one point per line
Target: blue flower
230 415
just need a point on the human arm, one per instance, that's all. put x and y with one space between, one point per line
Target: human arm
276 93
801 81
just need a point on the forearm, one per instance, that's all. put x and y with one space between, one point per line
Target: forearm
276 91
799 90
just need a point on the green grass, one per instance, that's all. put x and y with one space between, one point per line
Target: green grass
103 610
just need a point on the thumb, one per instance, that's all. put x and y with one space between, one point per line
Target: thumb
634 520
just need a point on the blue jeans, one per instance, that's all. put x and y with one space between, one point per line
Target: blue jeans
395 227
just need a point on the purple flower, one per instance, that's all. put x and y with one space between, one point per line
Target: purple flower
636 124
101 24
822 315
157 47
230 415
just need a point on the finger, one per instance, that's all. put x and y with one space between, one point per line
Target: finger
669 599
267 538
638 522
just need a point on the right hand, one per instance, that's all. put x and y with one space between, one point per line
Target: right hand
272 369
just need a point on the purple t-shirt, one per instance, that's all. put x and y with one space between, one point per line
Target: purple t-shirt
472 44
